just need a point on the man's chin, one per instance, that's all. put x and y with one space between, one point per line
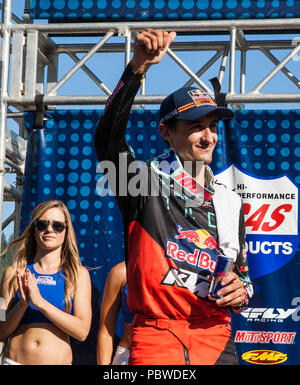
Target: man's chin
205 159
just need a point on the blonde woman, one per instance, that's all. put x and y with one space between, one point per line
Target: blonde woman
46 290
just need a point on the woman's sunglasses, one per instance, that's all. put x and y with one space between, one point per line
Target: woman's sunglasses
57 226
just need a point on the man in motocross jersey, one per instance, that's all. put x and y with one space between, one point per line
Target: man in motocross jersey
176 225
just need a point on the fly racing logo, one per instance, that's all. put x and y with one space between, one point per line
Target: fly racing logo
267 314
187 279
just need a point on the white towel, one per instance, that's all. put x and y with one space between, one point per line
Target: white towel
227 206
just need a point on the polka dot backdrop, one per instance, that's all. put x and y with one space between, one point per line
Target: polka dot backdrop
61 164
262 142
116 10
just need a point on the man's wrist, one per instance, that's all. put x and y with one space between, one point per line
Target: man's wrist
138 68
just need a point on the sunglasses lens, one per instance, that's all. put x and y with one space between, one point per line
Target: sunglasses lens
41 225
58 226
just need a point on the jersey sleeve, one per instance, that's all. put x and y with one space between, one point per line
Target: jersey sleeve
110 132
111 147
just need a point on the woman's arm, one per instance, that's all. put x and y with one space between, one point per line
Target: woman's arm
110 307
76 325
14 313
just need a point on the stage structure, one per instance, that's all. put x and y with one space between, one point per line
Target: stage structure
51 150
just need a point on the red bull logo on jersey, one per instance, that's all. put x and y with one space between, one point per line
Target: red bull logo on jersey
197 259
201 238
194 252
195 248
190 235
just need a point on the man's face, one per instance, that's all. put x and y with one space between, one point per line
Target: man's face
193 140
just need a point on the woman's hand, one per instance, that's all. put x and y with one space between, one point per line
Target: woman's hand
24 299
32 289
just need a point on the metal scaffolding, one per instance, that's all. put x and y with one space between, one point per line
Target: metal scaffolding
30 70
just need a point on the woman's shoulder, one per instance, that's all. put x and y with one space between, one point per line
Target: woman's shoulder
9 272
83 278
83 272
117 274
120 268
8 281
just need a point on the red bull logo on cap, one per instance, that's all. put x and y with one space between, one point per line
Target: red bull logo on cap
200 98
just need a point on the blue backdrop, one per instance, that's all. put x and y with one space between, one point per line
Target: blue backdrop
117 10
258 153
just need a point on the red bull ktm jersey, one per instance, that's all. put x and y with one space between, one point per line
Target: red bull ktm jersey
170 248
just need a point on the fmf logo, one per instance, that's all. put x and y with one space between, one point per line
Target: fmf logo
264 357
271 218
267 314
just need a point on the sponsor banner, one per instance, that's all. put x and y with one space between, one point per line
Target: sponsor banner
271 207
271 218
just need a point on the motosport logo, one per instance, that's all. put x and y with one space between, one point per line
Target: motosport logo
271 218
264 337
264 357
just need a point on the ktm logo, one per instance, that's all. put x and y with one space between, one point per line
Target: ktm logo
264 357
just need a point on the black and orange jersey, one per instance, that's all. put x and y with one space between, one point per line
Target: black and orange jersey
170 248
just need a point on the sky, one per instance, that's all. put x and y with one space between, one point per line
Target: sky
166 77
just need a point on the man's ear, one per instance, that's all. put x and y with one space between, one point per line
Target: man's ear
164 132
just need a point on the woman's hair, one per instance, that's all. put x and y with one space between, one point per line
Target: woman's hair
70 260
